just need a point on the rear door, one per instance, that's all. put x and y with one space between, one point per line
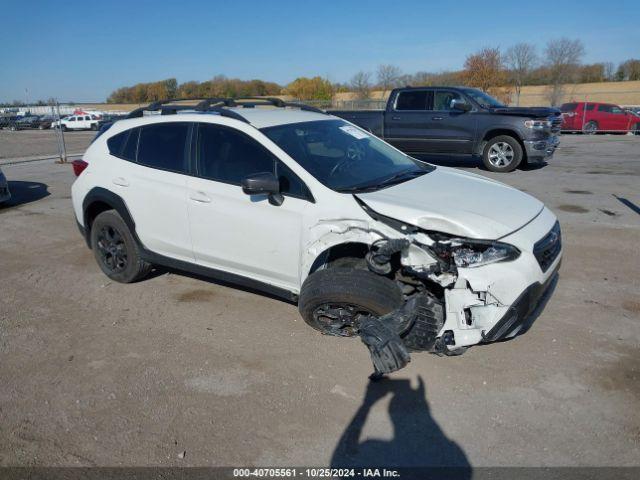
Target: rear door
451 131
407 123
152 181
238 233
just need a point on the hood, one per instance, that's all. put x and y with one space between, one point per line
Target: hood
532 112
458 203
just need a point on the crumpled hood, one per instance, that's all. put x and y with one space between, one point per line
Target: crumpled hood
456 202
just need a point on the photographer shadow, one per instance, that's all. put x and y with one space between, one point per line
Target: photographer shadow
417 441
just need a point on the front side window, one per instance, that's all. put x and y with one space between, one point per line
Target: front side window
344 157
605 108
229 156
163 146
484 100
442 100
590 106
568 107
72 119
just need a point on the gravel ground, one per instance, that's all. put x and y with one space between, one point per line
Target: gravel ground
99 373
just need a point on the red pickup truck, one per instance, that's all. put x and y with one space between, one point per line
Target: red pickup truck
593 117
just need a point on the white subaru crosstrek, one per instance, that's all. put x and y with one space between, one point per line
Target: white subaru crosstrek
298 203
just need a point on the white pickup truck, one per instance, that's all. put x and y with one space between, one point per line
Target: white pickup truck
77 122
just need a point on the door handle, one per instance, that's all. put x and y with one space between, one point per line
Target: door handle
395 118
437 118
200 197
121 181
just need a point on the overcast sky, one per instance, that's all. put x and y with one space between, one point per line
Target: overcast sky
83 50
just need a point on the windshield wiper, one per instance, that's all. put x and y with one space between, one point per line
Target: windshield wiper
387 182
401 176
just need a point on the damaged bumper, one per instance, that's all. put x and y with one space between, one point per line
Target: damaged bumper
500 301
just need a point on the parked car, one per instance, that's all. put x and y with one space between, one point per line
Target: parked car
594 117
7 120
5 195
462 121
78 122
24 123
307 206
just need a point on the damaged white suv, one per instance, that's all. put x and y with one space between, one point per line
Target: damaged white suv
293 201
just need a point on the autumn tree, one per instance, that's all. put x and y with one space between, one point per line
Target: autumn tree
388 77
485 71
628 70
316 88
520 60
562 59
361 85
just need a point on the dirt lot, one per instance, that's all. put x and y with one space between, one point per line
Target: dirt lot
98 373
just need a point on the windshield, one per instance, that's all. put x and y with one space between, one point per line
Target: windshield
485 100
344 157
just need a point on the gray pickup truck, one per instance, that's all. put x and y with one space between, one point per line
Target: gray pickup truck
462 121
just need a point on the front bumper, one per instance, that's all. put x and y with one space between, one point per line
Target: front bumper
522 312
497 301
539 150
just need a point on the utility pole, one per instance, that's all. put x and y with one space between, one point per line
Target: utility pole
62 148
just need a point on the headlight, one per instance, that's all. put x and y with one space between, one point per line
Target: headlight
537 124
467 253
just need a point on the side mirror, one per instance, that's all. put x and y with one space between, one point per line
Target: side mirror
460 105
263 183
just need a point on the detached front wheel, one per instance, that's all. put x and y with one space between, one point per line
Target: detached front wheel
334 300
502 154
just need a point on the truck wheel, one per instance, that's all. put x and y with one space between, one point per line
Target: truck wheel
502 154
64 128
333 300
115 249
94 127
635 129
590 128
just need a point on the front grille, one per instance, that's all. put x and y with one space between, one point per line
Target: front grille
556 124
548 247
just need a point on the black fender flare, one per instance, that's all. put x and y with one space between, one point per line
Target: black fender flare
115 201
499 130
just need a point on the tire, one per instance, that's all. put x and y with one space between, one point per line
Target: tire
115 249
13 128
590 128
64 128
40 127
94 127
635 129
348 292
502 154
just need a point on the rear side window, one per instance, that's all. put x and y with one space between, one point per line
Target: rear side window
116 143
124 145
605 108
229 156
414 100
569 107
163 146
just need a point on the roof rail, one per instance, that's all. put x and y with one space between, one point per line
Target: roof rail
219 105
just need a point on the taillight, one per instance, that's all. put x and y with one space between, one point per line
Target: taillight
79 166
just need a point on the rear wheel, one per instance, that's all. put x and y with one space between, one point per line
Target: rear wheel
94 127
64 128
502 154
635 129
590 128
334 300
115 249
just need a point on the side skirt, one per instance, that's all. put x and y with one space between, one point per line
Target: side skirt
225 277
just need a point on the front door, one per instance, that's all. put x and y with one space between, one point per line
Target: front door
450 130
238 233
406 125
